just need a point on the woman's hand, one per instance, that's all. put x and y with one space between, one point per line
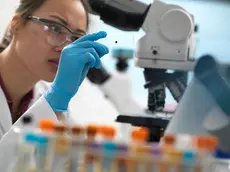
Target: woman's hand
75 61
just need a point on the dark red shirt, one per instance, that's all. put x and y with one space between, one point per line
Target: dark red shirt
24 104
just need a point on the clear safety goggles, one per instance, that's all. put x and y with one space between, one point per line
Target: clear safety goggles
57 34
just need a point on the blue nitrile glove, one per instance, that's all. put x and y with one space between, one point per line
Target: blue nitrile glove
75 61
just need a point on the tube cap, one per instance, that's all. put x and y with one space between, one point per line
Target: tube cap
109 146
189 155
76 130
42 139
46 125
140 134
122 148
30 137
209 143
169 139
92 129
156 150
108 131
60 128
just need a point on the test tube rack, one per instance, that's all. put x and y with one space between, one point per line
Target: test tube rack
93 149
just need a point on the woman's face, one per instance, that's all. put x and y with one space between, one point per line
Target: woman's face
34 44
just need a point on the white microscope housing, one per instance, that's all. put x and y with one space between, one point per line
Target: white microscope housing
169 40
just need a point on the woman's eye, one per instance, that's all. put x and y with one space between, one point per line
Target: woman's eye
74 38
55 29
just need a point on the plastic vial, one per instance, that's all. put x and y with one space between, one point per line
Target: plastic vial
77 148
91 160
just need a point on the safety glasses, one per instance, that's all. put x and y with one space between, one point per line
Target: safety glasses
57 34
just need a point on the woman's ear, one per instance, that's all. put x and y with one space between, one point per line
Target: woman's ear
15 24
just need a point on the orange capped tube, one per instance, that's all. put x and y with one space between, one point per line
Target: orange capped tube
140 134
60 128
92 130
208 143
46 125
76 130
169 139
108 132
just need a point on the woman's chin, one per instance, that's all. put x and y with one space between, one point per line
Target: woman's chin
49 77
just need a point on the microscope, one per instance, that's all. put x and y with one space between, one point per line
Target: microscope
168 44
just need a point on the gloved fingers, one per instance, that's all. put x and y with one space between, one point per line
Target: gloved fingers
100 48
92 37
88 59
84 73
94 53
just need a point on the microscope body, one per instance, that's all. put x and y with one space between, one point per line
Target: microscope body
169 41
168 44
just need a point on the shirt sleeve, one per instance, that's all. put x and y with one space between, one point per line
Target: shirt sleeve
8 143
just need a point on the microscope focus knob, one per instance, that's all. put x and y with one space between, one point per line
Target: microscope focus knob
176 25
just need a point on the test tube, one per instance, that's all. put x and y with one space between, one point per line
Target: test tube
139 138
25 161
47 129
206 147
109 148
155 163
61 148
20 131
122 150
189 161
41 153
142 153
90 157
91 132
76 150
175 159
94 160
168 143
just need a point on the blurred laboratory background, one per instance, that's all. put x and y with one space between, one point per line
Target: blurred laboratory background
213 36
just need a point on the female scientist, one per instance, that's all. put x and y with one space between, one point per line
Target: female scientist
47 41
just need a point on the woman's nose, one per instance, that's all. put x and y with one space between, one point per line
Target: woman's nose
60 48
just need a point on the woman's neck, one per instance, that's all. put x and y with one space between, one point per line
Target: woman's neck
17 79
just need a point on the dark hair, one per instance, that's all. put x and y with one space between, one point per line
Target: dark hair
25 9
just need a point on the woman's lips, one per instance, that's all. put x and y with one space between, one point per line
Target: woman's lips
54 62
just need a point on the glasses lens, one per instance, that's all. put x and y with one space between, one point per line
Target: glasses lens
57 35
